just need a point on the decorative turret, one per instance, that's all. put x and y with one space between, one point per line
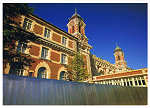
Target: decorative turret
120 62
76 26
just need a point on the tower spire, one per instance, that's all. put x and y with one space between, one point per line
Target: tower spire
116 44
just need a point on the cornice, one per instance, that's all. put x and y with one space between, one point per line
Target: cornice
53 45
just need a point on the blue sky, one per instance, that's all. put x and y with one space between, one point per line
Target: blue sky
106 25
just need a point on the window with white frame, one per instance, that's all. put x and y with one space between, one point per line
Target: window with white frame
27 24
44 53
64 41
21 47
64 59
47 33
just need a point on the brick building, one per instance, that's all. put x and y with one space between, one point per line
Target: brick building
52 48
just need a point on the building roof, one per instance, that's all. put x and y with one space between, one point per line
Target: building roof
76 15
122 74
117 49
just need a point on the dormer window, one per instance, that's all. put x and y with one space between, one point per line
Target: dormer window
47 33
27 24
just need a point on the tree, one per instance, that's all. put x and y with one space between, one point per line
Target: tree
13 33
76 70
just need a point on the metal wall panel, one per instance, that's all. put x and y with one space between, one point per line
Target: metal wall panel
32 91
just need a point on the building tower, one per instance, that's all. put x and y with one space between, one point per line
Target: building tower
76 27
120 62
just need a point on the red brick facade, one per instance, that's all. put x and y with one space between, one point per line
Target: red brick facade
56 38
54 69
70 44
38 29
33 65
55 56
34 50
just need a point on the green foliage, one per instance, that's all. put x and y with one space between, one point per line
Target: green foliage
13 34
10 11
13 10
76 69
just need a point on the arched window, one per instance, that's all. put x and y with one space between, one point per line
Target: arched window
79 28
42 72
62 76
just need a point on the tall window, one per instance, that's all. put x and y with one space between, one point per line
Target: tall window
63 59
79 28
62 76
124 83
21 47
44 53
127 83
73 29
47 33
118 57
143 81
27 24
136 82
64 41
139 81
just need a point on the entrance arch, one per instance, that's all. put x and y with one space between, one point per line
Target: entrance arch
43 68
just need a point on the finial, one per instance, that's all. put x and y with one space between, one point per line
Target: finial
75 11
117 48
